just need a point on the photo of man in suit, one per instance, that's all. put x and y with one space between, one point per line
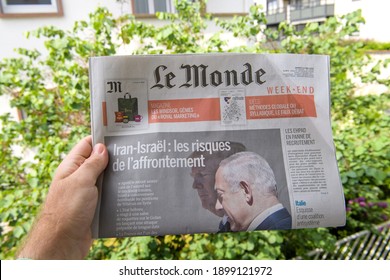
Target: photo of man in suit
247 193
204 179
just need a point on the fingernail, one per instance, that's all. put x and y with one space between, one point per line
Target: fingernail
98 149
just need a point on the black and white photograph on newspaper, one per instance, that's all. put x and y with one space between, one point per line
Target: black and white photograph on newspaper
214 182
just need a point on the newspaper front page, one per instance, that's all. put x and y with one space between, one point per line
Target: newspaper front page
211 143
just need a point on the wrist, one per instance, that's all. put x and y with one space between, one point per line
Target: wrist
48 241
38 244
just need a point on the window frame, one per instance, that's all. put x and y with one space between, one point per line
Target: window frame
171 9
35 10
152 12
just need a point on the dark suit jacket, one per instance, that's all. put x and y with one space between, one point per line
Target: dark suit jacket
281 219
223 227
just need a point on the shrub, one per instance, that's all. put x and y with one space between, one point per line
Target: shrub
53 91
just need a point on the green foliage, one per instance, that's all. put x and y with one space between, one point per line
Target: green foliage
256 245
371 45
52 89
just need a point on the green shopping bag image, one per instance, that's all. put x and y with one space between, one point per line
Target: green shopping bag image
128 106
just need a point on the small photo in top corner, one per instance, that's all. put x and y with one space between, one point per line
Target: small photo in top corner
127 104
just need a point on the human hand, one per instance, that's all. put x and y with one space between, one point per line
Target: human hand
63 228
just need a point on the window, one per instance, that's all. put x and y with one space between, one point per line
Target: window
152 6
272 7
28 8
296 4
29 2
301 4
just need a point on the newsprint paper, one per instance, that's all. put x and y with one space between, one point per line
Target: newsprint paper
212 143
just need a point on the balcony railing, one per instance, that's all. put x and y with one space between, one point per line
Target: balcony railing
364 245
276 16
312 12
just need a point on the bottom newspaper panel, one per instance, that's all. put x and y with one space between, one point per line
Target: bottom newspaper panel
219 181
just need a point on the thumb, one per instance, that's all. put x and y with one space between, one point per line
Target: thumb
93 166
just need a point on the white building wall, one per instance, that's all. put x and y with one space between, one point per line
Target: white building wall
12 29
376 14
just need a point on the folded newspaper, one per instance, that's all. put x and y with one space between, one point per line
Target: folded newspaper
212 143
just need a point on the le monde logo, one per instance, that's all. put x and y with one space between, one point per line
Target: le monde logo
198 75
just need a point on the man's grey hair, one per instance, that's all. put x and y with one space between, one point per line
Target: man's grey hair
250 167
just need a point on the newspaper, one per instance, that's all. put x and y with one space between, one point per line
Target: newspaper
211 143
